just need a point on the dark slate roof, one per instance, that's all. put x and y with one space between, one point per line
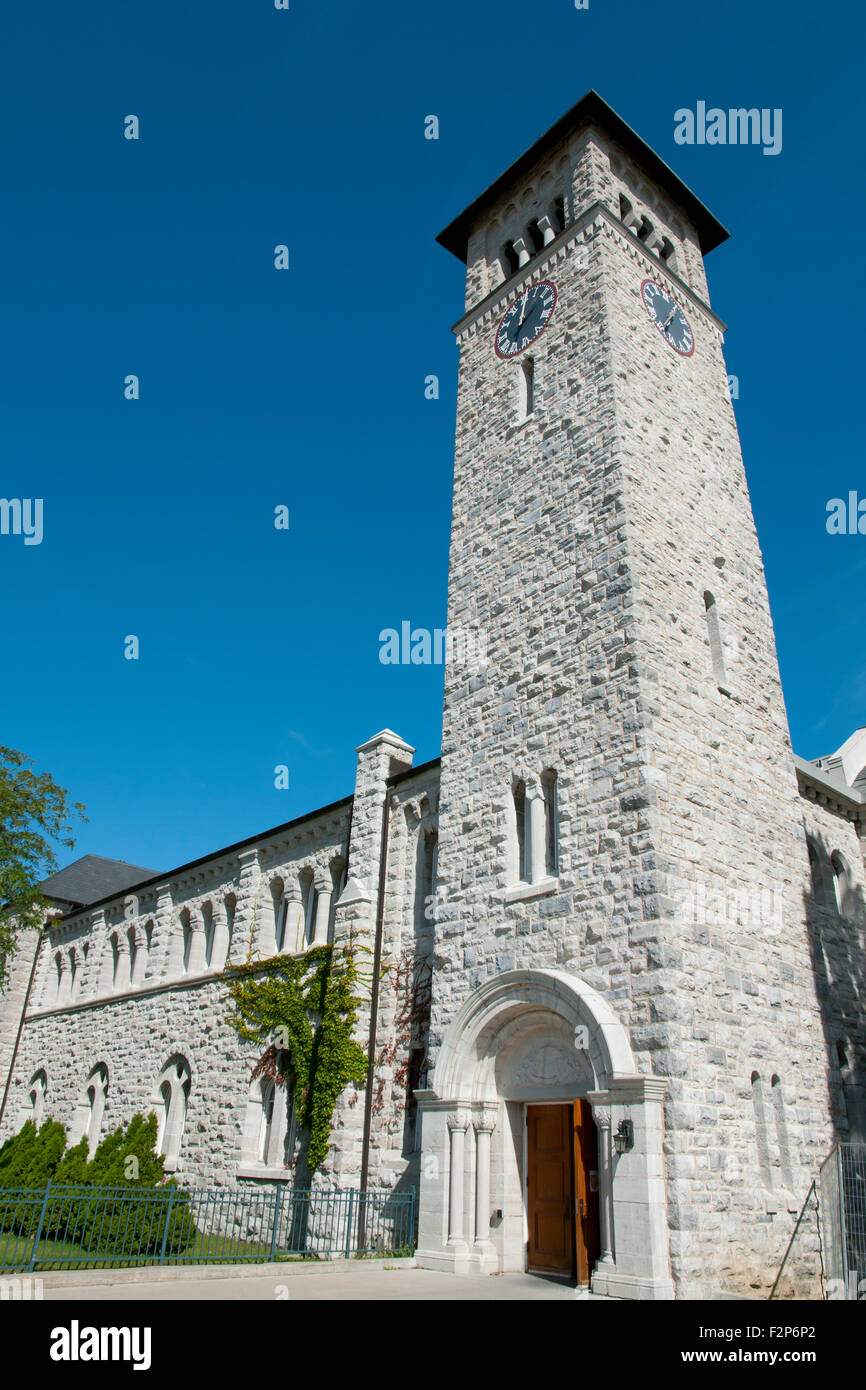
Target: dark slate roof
590 110
92 877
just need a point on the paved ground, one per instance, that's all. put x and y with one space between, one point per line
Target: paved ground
345 1284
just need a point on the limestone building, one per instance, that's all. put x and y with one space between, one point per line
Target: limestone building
625 1020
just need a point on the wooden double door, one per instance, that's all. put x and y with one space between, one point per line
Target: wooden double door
562 1190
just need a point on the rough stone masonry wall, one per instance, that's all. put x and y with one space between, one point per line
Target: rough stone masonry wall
837 940
539 564
728 873
135 1030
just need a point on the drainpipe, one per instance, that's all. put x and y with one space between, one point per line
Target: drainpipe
374 1009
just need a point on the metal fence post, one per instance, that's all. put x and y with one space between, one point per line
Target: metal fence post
349 1223
171 1193
843 1223
276 1221
38 1236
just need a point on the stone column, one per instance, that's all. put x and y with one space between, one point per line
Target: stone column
197 950
484 1126
536 832
457 1127
161 941
176 948
249 905
293 939
105 976
219 950
64 984
601 1115
139 966
121 971
547 229
324 890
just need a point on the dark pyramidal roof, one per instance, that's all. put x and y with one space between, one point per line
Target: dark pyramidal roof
590 110
91 878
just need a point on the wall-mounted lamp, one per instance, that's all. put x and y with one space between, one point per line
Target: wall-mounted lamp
624 1137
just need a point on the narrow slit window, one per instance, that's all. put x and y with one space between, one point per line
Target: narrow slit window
520 823
536 236
526 388
761 1131
551 831
715 635
510 260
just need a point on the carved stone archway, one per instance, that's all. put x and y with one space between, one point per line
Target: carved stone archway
539 1036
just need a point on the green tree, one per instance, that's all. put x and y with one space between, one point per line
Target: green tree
35 816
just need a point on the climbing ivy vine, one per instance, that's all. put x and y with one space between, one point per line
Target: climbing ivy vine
307 1006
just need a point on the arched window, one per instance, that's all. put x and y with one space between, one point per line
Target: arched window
842 883
139 952
186 926
132 939
270 1127
308 899
227 929
56 979
116 962
87 1121
78 960
173 1088
715 635
761 1136
782 1133
551 824
510 260
278 914
536 236
337 870
425 882
266 1120
822 894
36 1093
209 924
522 863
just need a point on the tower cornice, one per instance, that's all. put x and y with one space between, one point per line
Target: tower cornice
596 219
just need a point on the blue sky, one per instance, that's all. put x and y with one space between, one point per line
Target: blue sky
306 388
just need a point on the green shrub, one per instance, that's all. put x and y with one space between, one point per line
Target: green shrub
112 1225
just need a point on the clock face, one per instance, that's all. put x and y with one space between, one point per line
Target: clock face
668 318
525 319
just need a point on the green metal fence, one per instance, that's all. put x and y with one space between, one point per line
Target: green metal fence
80 1227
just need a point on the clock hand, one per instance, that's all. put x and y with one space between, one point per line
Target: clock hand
670 316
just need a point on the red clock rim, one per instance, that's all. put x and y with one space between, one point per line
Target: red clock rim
657 326
510 356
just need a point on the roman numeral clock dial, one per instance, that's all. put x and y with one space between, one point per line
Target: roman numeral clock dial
668 318
525 319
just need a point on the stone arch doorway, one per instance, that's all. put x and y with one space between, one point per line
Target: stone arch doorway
523 1039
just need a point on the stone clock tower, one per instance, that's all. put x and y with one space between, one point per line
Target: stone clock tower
627 1074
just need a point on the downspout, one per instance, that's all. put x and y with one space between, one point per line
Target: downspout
13 1059
374 1007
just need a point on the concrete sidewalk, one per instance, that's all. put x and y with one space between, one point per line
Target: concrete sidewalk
338 1281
